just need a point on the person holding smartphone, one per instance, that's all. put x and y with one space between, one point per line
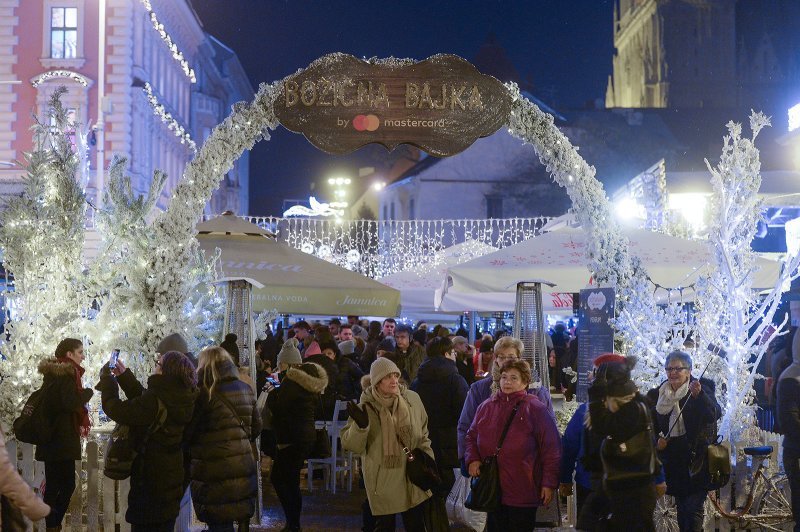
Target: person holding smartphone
157 477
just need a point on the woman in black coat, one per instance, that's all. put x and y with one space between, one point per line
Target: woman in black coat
65 399
292 405
691 434
443 392
157 476
223 468
617 412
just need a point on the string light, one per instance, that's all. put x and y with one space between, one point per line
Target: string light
172 124
177 55
60 74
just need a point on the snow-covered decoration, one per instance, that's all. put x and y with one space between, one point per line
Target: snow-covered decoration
124 268
565 413
641 323
169 289
317 209
42 237
173 125
730 315
177 55
60 74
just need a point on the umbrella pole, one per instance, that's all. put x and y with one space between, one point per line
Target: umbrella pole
239 320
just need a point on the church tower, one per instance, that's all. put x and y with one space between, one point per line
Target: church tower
673 53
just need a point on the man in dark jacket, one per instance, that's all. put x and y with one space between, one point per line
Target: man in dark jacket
443 392
157 474
789 421
292 405
348 384
224 426
464 354
407 354
65 400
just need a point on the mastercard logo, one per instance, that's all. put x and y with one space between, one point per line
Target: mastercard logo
366 122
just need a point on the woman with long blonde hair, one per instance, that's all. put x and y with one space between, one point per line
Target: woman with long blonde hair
223 468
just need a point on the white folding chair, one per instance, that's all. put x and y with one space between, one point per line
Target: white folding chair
334 464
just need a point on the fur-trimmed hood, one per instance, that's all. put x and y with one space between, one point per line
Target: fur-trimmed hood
53 367
366 382
302 375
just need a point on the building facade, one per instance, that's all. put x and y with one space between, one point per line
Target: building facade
705 53
143 79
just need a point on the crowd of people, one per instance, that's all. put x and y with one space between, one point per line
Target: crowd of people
196 423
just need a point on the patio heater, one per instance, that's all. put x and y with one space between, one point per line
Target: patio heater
238 320
530 328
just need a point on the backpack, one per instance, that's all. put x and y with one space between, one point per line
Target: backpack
121 452
34 425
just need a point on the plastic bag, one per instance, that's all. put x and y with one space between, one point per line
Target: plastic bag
457 512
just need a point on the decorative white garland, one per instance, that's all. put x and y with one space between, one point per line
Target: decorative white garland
173 125
177 55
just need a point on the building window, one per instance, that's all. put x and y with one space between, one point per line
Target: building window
385 217
411 209
391 211
63 32
494 207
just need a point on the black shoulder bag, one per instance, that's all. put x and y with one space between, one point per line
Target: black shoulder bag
633 459
485 488
121 451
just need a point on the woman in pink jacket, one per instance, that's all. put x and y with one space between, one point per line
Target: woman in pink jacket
529 458
17 490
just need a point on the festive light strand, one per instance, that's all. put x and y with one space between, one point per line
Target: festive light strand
173 125
53 74
177 55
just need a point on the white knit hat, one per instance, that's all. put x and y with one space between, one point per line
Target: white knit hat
380 369
289 353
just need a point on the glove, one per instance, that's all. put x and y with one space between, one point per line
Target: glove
86 395
358 414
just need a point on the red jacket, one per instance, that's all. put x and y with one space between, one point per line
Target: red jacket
529 458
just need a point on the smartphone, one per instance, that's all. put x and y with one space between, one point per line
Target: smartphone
112 363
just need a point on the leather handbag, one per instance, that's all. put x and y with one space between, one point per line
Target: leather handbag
485 494
121 452
421 469
631 460
711 466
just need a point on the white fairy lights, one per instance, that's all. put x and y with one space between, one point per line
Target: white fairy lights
177 55
60 74
173 125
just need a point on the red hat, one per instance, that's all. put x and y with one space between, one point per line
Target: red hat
608 357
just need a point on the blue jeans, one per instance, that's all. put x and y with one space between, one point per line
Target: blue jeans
690 511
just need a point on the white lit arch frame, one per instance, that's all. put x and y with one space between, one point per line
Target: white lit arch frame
607 253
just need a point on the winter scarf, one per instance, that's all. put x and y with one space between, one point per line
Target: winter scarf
395 416
82 422
669 403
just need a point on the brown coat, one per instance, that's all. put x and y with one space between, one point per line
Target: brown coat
17 490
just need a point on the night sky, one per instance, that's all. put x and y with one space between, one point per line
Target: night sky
563 47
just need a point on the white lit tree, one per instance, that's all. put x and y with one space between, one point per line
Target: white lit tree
731 316
42 235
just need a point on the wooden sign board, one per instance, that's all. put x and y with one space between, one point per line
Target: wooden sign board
441 105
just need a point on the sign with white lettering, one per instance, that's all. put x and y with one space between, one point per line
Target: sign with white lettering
595 334
441 105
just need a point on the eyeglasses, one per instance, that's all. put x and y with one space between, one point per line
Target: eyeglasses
676 369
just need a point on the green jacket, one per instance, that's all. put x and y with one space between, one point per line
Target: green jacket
389 491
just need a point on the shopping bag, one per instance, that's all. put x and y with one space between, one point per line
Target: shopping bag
457 512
